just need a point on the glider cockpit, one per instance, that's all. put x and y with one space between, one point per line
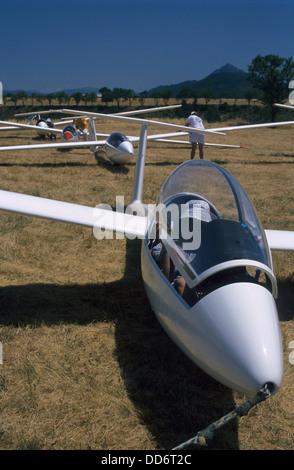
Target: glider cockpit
119 147
211 231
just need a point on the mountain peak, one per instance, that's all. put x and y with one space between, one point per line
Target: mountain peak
228 68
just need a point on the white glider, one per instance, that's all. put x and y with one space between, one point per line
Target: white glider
227 323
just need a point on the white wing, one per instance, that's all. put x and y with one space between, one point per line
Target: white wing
284 105
215 130
136 111
108 220
86 143
280 239
36 112
94 217
8 128
15 125
206 143
156 136
165 138
62 123
147 110
138 121
85 114
252 126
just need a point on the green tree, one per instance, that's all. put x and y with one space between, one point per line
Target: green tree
34 96
6 98
207 95
249 94
142 96
130 95
13 98
271 74
50 97
91 97
106 95
221 95
166 94
78 97
39 97
155 94
21 95
119 94
195 94
61 96
184 93
235 97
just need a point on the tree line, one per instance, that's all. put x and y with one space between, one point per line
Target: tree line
40 98
118 95
269 77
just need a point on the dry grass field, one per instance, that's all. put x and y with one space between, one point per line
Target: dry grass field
85 363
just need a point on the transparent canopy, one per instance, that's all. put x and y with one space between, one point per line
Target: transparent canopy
231 235
70 129
116 138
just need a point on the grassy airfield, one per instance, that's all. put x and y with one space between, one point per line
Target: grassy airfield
85 363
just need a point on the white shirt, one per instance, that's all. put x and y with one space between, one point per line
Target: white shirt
195 121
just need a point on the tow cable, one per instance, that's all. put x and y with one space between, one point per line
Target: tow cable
206 434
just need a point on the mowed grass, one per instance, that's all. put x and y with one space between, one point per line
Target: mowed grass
85 363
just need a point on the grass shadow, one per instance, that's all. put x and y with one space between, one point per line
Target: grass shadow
173 397
285 300
106 163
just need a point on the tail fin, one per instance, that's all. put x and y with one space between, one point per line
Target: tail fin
92 134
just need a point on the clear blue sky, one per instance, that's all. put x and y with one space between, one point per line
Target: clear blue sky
51 45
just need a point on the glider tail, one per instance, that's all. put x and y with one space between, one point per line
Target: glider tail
92 134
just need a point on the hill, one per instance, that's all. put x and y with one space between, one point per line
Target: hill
228 81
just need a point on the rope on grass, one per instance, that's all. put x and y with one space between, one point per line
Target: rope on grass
207 433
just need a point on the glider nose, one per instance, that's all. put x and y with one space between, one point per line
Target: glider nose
68 135
243 331
121 153
126 147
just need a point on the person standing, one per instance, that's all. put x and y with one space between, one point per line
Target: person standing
196 138
82 127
